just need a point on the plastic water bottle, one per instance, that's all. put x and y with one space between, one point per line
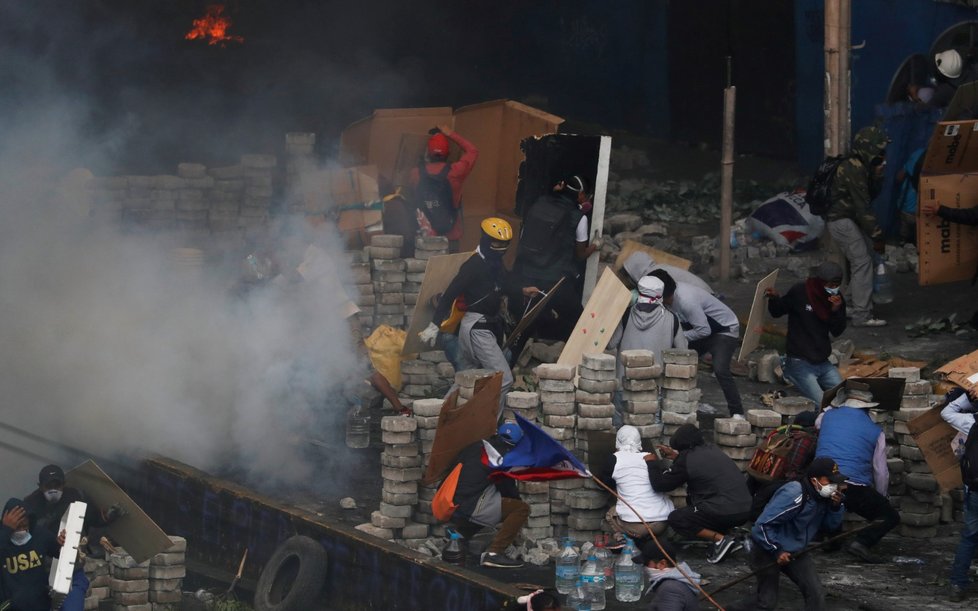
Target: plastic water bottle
593 575
568 568
357 426
577 598
628 576
453 552
607 562
882 283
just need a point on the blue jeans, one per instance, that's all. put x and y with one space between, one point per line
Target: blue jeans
969 541
811 379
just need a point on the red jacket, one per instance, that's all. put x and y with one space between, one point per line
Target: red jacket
456 176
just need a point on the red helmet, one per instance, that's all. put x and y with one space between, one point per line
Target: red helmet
438 145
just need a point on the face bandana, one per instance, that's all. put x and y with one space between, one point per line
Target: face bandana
21 537
586 206
52 496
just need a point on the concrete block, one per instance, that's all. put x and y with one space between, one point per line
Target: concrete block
738 453
692 394
931 518
792 406
764 418
599 375
398 424
400 462
910 374
558 409
558 433
427 434
396 511
639 419
130 599
403 449
599 361
594 424
522 400
678 419
142 572
401 475
679 383
920 387
652 431
596 386
921 402
382 266
911 453
381 521
167 572
427 407
556 385
640 385
587 499
737 441
639 395
921 481
399 438
586 410
417 367
673 370
679 407
565 422
380 533
387 241
643 373
552 371
426 422
415 266
731 426
558 397
641 407
677 356
164 559
582 396
413 530
766 367
906 414
637 358
401 487
129 585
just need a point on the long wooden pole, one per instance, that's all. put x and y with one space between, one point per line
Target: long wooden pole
726 180
832 77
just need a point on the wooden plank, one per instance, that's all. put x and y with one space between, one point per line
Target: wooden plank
136 531
531 315
602 313
659 256
758 314
438 275
597 215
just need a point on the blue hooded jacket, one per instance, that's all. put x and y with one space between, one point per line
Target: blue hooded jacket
793 517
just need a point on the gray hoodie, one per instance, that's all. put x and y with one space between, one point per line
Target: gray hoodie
640 264
648 327
672 591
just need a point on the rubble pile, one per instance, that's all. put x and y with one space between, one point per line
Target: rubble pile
640 393
388 275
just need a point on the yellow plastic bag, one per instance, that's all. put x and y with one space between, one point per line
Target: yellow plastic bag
385 345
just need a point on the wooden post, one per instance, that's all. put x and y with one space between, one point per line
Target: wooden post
845 44
597 215
726 180
832 77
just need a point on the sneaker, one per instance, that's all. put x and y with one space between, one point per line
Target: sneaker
499 561
869 322
957 594
721 548
862 552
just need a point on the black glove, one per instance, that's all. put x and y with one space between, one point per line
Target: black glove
115 512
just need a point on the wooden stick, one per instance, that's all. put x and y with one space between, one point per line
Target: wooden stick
237 577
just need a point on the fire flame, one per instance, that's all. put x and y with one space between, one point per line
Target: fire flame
213 27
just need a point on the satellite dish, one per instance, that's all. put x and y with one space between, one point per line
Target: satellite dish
963 35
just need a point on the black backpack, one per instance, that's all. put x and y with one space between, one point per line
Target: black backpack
969 460
819 193
434 197
544 237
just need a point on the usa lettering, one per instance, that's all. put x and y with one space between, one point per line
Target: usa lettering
23 562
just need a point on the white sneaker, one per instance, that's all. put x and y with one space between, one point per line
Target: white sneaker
869 322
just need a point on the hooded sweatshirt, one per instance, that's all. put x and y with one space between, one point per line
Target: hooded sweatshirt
641 264
673 592
629 473
25 567
647 327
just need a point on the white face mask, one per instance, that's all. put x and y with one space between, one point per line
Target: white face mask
832 291
20 537
827 490
52 496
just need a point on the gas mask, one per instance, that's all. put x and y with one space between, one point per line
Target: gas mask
52 496
20 537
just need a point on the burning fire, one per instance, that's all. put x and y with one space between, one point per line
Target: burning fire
213 27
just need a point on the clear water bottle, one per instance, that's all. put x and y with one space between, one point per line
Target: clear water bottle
606 560
454 552
882 283
568 568
628 576
592 572
577 598
357 426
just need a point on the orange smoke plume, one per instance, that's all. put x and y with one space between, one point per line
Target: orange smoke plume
213 27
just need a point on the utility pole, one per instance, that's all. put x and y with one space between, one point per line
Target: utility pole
726 175
838 41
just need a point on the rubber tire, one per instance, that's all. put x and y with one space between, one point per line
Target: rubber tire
293 577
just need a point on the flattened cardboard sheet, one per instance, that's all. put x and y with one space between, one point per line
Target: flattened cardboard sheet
963 371
757 317
438 275
597 324
933 436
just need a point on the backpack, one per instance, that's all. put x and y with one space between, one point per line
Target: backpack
819 193
784 454
435 199
443 504
544 237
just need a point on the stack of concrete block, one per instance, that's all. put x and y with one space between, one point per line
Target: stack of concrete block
596 385
106 198
466 380
257 173
428 247
401 471
128 582
587 510
97 571
226 198
414 270
299 162
763 422
419 377
916 392
537 496
388 276
557 402
166 573
789 407
680 396
640 397
426 412
364 295
736 438
193 201
525 404
560 490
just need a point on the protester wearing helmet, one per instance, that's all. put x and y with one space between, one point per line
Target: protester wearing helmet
481 282
436 164
851 221
483 502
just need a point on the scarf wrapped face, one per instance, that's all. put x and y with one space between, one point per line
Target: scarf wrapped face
628 439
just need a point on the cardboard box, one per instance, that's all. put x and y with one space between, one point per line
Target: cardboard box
888 392
962 371
933 436
949 177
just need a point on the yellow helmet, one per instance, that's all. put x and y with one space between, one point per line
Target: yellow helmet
497 229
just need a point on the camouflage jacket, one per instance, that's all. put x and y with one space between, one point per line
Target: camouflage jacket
855 185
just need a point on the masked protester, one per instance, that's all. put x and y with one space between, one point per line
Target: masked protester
816 313
46 505
481 282
960 413
795 514
671 590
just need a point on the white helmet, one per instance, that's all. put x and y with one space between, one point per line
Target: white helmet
948 63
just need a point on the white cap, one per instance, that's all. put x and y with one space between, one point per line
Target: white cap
948 63
651 287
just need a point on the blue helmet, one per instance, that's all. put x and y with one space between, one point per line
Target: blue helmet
510 432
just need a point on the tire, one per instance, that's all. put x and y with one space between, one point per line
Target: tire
293 577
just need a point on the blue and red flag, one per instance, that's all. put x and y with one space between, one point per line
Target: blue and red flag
535 457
